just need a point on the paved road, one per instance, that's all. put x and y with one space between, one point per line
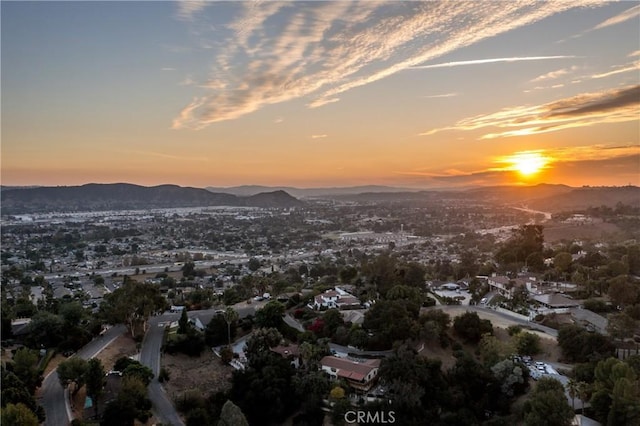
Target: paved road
495 316
163 407
53 398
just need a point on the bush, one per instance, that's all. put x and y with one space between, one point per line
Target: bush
163 376
514 329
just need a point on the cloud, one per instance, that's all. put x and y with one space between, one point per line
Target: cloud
168 69
565 165
610 106
619 70
555 74
188 9
272 52
632 13
444 95
318 136
632 54
489 61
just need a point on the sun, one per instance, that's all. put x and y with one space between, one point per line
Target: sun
527 163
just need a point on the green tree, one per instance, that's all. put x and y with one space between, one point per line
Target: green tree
183 322
45 330
18 415
231 415
470 327
95 380
547 405
270 316
72 370
230 317
528 343
132 304
621 326
140 372
25 366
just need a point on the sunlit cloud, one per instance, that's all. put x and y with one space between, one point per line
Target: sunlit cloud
610 106
633 54
279 51
555 74
278 120
318 136
619 70
489 61
444 95
632 13
548 165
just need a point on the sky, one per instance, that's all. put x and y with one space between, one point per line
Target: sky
320 93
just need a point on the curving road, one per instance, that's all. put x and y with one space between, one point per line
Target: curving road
53 396
163 407
496 317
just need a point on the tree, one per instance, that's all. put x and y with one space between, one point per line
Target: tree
95 379
132 304
183 322
230 317
15 392
231 415
139 371
470 327
621 326
25 366
45 330
270 316
217 332
18 415
511 376
548 405
131 404
528 343
72 370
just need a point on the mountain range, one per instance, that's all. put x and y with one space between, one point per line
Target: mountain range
123 196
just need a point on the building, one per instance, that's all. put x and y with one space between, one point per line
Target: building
556 302
359 375
337 298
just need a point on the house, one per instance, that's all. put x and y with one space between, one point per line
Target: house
337 298
556 302
359 375
291 352
507 287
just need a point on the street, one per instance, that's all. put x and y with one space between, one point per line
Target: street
53 398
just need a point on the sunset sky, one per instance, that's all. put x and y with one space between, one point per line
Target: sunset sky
313 94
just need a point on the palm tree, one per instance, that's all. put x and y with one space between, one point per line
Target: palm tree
572 387
230 316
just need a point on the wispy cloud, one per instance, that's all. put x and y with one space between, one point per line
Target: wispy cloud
444 95
489 61
188 9
628 14
615 20
279 51
168 69
610 106
318 136
555 74
619 70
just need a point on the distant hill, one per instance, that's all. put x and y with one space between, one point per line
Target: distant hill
582 198
247 190
123 196
543 197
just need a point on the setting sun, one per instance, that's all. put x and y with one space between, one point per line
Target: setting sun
528 163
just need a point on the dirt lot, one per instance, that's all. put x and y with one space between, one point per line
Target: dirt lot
205 373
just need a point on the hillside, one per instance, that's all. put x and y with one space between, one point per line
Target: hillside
122 196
